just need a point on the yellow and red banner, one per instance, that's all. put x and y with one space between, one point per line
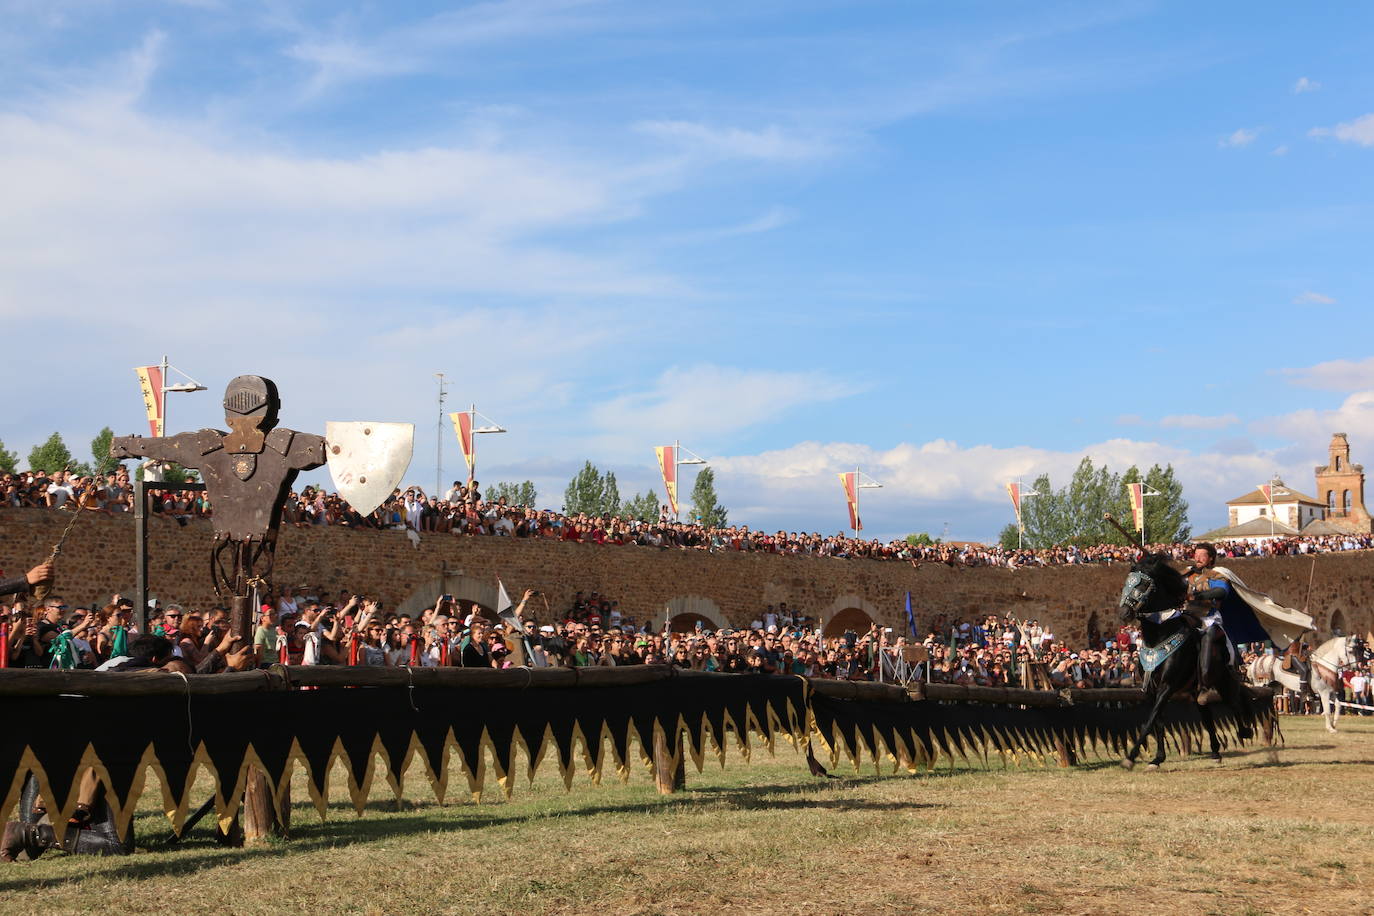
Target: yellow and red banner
667 466
1014 491
150 380
1137 493
850 481
462 425
1267 492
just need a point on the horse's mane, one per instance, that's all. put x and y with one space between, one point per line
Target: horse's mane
1169 582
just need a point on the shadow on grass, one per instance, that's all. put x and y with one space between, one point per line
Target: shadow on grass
196 852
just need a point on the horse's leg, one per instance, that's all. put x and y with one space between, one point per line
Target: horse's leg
1209 723
1325 694
1128 761
1158 736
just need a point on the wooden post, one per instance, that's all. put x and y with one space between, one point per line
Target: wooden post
259 820
1065 751
667 777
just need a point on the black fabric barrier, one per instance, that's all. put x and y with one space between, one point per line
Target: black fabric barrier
599 719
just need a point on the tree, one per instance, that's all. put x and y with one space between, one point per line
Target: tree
644 508
100 451
583 494
9 461
610 495
1010 537
706 510
516 494
1074 514
921 539
52 455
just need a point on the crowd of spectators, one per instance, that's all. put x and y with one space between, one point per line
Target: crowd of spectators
317 626
463 511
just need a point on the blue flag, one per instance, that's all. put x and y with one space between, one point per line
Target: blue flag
911 618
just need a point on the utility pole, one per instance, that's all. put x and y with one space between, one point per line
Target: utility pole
439 439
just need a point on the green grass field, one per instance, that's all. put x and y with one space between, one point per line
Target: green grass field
1249 836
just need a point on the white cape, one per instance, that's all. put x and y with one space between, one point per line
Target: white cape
1283 624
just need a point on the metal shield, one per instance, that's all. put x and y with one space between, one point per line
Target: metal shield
368 460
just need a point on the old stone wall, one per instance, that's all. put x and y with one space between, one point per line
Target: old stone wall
98 560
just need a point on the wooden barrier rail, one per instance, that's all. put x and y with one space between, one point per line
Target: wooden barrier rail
20 682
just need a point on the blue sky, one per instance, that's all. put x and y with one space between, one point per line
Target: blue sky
952 244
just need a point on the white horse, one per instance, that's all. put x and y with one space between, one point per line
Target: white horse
1325 665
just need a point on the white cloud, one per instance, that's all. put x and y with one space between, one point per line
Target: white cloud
1335 375
1243 136
1197 421
1312 298
1280 150
1359 131
1354 416
768 144
923 483
1305 85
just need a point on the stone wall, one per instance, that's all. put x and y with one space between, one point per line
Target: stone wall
98 560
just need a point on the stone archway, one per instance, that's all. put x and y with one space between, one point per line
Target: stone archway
1337 626
848 612
466 590
685 611
851 618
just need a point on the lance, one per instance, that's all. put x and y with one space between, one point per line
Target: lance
1107 516
43 589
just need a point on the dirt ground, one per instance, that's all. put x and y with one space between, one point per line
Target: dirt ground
1250 836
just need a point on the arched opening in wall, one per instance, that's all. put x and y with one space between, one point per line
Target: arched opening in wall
1338 462
687 623
1346 502
1094 632
1331 500
1338 622
851 618
466 591
683 612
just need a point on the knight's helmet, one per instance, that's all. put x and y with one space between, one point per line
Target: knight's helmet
253 396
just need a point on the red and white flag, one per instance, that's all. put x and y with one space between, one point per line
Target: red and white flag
1267 491
150 380
1137 493
462 425
850 481
1014 491
667 466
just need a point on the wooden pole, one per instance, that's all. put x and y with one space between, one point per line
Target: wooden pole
669 777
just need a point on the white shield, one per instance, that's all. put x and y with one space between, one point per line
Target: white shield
368 460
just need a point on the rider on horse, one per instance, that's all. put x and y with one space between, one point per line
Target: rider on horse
1206 592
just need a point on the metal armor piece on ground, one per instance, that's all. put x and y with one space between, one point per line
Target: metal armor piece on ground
248 472
367 460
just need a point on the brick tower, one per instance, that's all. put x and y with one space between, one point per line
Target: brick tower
1340 485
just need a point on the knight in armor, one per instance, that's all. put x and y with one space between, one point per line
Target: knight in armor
1206 594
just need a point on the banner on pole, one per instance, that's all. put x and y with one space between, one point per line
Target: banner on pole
1267 491
1137 493
850 481
667 466
150 380
462 426
1014 491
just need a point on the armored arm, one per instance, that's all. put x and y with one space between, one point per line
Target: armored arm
186 449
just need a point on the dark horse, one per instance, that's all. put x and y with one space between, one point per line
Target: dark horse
1152 587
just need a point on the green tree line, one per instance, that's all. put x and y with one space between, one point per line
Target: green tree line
1073 514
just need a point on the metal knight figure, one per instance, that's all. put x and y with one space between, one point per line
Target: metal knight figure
247 472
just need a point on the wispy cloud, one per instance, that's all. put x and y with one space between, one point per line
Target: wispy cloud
1334 375
768 144
1359 131
1312 298
1198 421
1243 136
1305 85
1280 150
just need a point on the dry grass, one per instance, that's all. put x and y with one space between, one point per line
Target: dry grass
765 837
